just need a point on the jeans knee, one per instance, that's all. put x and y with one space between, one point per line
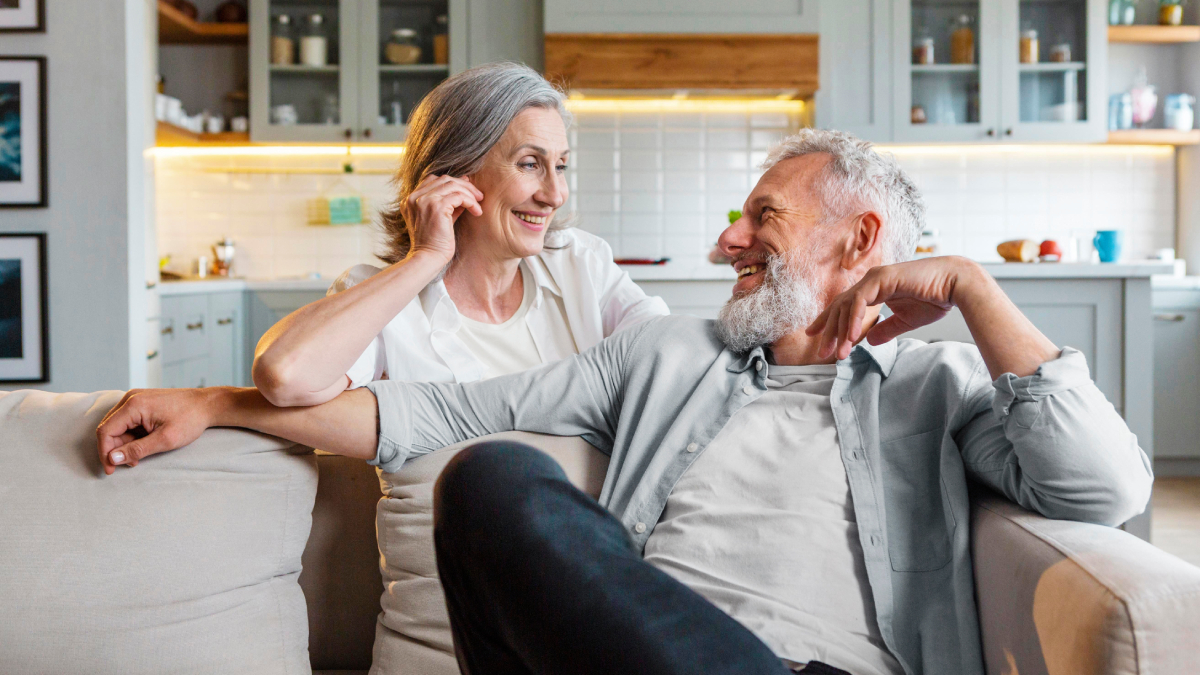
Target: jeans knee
485 481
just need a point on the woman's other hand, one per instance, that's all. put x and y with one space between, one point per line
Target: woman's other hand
432 209
149 421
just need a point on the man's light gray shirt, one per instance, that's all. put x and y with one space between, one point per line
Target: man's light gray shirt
914 421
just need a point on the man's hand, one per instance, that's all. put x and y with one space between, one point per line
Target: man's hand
149 421
920 292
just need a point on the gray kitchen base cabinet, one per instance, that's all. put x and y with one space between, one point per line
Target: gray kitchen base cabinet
266 308
203 340
1176 382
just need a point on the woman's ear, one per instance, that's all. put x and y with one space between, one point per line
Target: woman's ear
865 241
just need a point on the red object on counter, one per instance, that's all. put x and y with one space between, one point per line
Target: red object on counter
642 261
1050 251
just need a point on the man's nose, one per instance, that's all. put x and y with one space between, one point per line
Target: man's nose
736 238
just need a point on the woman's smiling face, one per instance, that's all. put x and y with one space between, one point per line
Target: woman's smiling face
523 181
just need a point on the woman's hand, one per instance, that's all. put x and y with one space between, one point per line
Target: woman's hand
432 209
918 292
149 421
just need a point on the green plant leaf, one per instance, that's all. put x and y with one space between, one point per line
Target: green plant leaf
734 215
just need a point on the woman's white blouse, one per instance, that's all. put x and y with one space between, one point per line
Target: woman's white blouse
421 343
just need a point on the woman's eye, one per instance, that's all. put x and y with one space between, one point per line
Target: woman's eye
528 166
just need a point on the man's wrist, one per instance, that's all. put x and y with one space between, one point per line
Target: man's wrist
222 402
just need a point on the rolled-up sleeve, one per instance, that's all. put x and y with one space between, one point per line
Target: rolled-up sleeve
1052 443
577 396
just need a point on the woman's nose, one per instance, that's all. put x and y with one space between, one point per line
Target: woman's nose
553 192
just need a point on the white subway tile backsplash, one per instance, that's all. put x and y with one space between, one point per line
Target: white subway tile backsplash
683 140
596 181
640 160
640 139
646 202
766 139
727 160
594 139
683 181
597 202
683 202
594 160
637 120
727 140
683 160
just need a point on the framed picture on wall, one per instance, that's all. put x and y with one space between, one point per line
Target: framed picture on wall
22 131
24 339
28 16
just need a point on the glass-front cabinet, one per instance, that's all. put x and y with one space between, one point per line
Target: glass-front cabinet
1006 70
344 70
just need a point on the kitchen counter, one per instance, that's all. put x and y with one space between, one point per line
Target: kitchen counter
221 285
709 272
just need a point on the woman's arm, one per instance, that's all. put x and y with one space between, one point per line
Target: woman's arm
303 359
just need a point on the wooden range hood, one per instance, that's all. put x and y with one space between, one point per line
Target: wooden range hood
783 64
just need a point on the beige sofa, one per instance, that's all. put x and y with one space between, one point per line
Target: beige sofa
246 554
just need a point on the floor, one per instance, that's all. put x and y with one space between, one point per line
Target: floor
1176 523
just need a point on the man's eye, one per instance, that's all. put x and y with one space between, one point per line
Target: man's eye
561 168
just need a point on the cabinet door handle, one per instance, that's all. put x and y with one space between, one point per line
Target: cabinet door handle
367 132
169 330
349 133
152 354
195 326
224 322
1008 131
1173 318
991 132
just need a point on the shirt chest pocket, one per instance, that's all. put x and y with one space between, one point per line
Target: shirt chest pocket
920 522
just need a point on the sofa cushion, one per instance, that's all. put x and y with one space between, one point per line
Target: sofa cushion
413 633
185 564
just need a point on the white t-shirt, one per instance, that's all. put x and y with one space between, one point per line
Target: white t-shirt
509 347
762 525
574 277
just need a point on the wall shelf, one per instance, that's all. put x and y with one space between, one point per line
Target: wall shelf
176 28
169 135
1154 137
1154 34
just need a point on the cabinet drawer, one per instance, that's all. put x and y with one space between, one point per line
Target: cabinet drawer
184 327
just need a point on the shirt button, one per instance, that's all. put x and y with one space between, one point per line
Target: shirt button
692 447
639 528
758 365
747 390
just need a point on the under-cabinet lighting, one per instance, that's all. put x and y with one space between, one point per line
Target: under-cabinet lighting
277 150
686 105
1006 148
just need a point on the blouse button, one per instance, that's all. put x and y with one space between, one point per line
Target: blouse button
747 390
692 447
639 528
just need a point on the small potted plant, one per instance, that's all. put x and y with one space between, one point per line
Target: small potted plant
1170 12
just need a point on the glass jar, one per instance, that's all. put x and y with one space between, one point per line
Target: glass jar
1061 52
314 46
402 48
962 40
283 45
1170 13
1029 46
923 52
441 40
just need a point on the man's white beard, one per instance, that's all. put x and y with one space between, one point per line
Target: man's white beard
783 303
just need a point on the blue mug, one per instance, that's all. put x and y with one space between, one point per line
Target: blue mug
1108 245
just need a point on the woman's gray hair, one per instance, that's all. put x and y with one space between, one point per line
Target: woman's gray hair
455 126
858 177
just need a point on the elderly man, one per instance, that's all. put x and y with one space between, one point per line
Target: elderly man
782 494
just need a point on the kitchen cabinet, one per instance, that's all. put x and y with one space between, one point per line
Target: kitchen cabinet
982 70
266 308
1176 381
681 16
203 340
856 68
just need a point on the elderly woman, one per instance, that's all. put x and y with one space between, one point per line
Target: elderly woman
483 279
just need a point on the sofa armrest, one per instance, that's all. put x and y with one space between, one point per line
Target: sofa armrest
1065 597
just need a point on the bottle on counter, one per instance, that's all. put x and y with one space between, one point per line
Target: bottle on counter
283 45
441 39
314 46
1029 46
962 40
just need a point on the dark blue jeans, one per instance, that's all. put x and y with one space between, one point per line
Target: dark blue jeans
539 578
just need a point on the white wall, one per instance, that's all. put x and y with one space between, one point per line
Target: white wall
95 223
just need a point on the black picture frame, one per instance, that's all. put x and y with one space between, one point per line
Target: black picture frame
27 368
41 198
39 24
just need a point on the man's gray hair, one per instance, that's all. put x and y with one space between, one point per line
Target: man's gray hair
453 128
860 178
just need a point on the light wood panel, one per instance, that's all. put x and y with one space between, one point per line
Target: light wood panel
1159 34
670 61
174 27
1154 137
169 135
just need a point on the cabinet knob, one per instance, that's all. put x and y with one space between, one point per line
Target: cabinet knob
349 133
1008 131
152 354
991 132
367 132
224 322
195 326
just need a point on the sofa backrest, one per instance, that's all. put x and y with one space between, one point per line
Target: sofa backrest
186 563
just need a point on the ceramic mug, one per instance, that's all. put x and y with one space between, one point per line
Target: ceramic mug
1108 245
